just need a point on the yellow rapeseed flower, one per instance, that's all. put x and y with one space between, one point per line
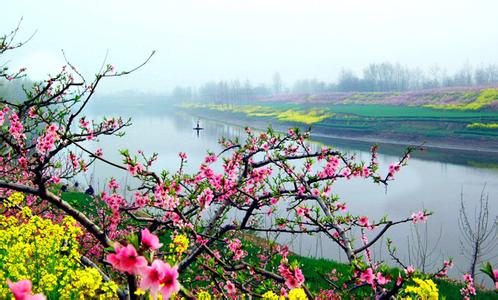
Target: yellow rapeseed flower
14 199
270 296
180 244
35 248
424 290
203 295
297 294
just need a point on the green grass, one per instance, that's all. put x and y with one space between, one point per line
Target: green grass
313 267
398 111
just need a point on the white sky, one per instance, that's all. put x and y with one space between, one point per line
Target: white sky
198 41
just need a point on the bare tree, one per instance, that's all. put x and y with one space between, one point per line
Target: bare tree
422 252
478 235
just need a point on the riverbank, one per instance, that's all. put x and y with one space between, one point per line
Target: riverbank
448 131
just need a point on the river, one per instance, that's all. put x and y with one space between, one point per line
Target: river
434 180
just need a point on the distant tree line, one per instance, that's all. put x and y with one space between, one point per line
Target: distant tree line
377 77
387 77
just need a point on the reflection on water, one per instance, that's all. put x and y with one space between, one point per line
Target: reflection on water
432 181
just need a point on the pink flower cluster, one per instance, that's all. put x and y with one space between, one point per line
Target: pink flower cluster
364 222
141 200
74 160
469 288
114 200
419 217
231 290
46 142
393 169
205 198
302 211
86 126
330 168
159 277
166 196
293 278
370 277
16 128
135 168
126 259
235 246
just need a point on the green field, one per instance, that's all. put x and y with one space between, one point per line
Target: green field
396 122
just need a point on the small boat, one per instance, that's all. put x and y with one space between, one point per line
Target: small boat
198 127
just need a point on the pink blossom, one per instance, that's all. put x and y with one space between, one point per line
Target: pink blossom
32 112
160 277
469 288
141 200
199 240
419 217
410 270
46 142
126 259
22 290
205 198
292 279
393 168
367 276
150 240
399 281
365 172
341 206
182 155
99 152
113 184
302 211
210 159
230 288
55 179
234 244
381 279
300 190
151 277
363 221
467 277
134 169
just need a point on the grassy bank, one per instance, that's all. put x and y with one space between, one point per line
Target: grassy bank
406 124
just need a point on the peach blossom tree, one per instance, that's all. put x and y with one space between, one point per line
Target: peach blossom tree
192 234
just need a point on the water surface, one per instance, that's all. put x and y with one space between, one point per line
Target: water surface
433 180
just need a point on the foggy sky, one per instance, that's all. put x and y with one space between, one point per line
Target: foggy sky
198 41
